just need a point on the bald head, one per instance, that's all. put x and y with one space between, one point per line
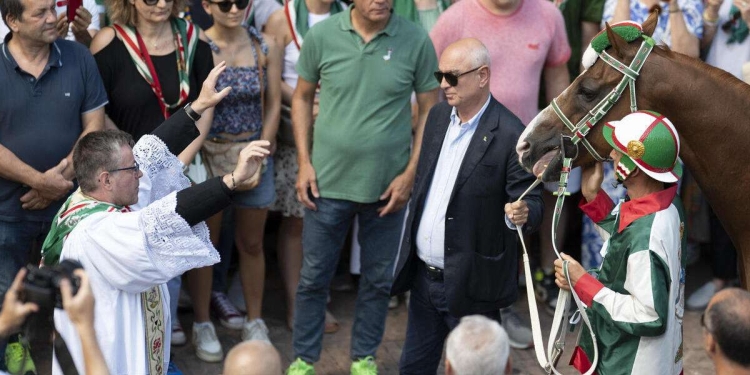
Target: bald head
253 358
470 50
728 321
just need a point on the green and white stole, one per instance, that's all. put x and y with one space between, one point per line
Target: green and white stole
78 207
186 42
297 17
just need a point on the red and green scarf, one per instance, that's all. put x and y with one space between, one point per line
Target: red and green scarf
297 17
186 42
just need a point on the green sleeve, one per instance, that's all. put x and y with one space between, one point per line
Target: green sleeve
592 10
308 64
426 65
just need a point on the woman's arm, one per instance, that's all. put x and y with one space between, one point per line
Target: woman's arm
272 105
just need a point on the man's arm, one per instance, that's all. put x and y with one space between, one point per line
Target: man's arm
302 120
33 199
683 41
556 80
399 190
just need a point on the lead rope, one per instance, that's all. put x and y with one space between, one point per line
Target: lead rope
556 343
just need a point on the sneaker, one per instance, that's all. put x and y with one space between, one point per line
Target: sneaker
207 345
519 334
393 303
300 367
227 313
178 334
18 359
255 330
173 370
699 299
364 366
546 291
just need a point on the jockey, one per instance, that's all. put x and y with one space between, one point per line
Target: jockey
635 301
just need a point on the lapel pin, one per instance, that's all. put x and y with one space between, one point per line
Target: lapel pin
485 138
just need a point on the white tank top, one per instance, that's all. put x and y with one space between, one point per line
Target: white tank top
291 53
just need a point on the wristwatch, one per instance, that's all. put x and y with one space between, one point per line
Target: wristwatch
191 113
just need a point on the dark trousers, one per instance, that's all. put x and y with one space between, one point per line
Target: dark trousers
429 324
724 253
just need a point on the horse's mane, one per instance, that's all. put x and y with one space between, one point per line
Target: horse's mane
723 78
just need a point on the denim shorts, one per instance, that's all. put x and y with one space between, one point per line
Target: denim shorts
263 195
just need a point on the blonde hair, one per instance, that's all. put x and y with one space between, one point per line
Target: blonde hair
124 13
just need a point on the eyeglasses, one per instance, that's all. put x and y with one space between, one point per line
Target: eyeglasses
136 168
154 2
451 78
226 6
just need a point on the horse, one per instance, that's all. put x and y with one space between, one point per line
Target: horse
709 107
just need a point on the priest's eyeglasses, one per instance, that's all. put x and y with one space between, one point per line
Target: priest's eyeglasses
451 78
136 168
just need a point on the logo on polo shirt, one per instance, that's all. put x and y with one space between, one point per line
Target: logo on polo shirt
387 56
67 94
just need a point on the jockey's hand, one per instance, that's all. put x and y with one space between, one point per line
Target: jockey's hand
208 96
575 270
744 7
517 212
591 181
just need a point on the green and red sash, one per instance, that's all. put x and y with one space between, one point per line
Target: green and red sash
297 17
76 208
186 42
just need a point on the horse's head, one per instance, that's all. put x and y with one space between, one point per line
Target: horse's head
541 142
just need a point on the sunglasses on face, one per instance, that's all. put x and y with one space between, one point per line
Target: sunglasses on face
226 6
154 2
451 78
136 168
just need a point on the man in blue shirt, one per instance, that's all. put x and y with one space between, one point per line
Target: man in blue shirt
52 95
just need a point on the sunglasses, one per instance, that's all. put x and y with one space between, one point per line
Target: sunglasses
226 6
136 168
154 2
451 78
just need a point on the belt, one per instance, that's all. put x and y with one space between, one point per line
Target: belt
433 273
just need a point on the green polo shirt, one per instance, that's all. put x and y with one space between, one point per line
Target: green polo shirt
362 135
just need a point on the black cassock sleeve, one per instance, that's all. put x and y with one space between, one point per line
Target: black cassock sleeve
199 202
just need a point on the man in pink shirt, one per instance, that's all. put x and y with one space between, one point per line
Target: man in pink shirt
526 40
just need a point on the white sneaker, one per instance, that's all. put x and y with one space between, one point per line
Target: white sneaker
699 299
519 335
178 334
207 345
255 330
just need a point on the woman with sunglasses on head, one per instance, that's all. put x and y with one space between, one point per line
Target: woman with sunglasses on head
152 64
289 26
248 113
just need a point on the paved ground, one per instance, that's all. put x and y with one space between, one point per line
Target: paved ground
335 357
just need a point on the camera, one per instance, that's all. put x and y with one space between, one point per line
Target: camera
42 285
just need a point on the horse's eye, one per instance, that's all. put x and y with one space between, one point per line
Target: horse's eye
587 94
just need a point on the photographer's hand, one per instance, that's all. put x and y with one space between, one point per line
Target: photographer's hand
14 311
80 308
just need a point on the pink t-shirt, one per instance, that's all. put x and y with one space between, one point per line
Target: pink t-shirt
521 45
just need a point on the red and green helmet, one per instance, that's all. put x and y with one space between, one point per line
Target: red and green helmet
647 140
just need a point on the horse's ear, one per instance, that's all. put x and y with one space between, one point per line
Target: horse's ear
619 44
650 24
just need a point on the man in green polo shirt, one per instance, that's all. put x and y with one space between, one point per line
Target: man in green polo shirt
361 162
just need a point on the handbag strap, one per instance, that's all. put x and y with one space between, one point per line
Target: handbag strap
261 76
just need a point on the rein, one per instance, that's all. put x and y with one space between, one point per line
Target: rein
579 131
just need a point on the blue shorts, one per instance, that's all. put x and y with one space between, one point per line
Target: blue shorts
263 195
